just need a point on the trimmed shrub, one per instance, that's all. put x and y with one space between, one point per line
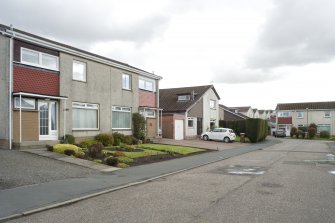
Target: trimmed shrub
324 134
111 161
124 159
138 126
256 129
105 139
118 153
238 126
60 148
69 152
80 155
120 138
135 141
95 150
87 143
122 165
69 139
293 131
311 132
313 125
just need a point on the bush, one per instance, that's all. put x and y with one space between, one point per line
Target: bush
120 138
138 126
311 132
95 150
134 141
124 159
301 133
293 131
87 143
105 139
256 129
80 155
122 165
50 148
60 148
313 125
69 139
69 152
324 134
111 161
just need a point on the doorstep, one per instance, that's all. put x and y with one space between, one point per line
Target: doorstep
69 159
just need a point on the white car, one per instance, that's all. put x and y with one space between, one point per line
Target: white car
221 134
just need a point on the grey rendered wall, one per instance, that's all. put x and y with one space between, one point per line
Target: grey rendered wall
4 87
103 87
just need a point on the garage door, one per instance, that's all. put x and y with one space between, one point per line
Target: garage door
178 129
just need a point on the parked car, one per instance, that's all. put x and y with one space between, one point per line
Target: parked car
280 133
220 134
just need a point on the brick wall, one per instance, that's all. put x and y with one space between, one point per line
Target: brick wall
147 98
35 80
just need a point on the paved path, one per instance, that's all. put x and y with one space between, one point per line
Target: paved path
25 200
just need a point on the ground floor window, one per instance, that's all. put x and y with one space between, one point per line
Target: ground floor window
190 122
121 117
26 103
85 116
323 127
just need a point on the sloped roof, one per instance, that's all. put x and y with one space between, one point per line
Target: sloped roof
240 109
168 98
4 28
303 105
232 113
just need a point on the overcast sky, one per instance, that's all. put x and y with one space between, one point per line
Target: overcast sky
256 52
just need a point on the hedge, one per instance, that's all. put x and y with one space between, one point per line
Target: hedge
255 129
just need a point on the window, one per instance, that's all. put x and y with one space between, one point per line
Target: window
79 71
148 113
212 104
190 122
26 103
327 114
39 59
323 127
121 117
148 85
184 97
126 82
300 114
85 116
284 114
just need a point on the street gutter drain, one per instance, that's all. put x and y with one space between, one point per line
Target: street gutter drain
241 170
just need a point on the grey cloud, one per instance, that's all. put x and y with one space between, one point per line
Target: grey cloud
297 33
80 22
233 75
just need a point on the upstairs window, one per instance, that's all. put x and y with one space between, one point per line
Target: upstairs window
148 85
126 82
79 71
327 114
300 114
212 104
284 114
39 59
184 97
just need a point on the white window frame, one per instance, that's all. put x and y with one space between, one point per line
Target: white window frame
87 106
122 109
17 103
146 86
284 114
327 114
126 81
300 114
40 59
188 121
212 104
84 79
186 97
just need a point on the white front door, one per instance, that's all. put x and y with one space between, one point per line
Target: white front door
179 129
48 123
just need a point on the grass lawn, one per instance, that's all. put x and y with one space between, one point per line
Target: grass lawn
169 148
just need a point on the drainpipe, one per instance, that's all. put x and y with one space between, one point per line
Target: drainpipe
157 105
10 89
64 124
20 119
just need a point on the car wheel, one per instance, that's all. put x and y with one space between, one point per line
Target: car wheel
205 137
226 139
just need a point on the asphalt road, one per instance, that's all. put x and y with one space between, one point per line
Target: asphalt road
288 182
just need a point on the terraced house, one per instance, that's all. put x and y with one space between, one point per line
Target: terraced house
301 115
49 89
